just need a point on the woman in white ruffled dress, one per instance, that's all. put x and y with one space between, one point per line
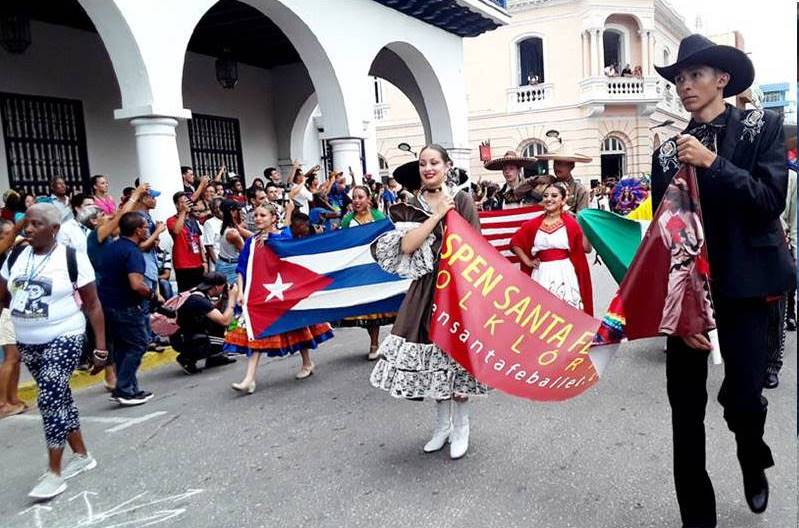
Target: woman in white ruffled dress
412 367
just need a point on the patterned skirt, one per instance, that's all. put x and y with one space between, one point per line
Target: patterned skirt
309 337
421 370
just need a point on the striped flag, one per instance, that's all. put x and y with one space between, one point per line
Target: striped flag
296 283
498 226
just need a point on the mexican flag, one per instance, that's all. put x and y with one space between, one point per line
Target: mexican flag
616 238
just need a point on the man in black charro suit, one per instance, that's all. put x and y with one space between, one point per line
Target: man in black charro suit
740 161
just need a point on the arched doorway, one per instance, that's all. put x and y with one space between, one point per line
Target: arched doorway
613 44
613 158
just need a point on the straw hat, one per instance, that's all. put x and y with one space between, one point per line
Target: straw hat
510 157
560 151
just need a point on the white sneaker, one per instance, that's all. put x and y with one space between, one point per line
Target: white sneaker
441 434
459 439
49 486
78 464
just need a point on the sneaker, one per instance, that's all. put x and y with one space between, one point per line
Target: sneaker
137 399
48 487
78 464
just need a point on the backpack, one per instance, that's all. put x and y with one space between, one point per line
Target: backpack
164 322
72 262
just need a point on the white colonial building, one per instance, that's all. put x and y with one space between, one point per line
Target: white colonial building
130 88
545 72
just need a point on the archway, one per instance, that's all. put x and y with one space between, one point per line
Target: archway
57 112
613 156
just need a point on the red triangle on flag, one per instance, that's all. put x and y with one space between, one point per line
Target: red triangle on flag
276 286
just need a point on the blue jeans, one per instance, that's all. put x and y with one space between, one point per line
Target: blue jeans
130 338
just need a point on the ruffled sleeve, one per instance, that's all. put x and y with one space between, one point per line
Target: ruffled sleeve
387 251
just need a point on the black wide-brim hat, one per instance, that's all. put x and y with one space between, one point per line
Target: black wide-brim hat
698 50
408 175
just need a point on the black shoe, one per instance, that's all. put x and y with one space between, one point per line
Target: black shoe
756 490
189 367
772 380
790 324
218 361
140 398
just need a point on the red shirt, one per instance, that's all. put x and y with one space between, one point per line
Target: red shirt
187 245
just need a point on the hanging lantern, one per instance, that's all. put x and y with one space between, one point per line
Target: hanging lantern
227 70
15 33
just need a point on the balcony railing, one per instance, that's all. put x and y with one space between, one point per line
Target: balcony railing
621 89
529 97
381 111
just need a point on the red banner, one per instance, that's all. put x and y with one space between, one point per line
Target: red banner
505 329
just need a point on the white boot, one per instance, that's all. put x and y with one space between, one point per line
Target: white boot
443 427
459 439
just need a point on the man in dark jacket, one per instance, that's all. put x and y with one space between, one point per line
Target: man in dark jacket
740 162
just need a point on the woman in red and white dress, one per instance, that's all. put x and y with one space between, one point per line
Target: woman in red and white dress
552 248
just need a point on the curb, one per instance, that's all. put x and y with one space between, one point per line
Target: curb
82 380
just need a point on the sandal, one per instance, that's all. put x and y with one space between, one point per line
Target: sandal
13 410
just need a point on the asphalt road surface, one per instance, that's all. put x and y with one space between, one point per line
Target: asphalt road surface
332 451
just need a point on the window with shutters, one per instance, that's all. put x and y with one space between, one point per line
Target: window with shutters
215 141
44 137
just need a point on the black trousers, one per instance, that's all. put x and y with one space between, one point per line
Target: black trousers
188 278
742 325
776 335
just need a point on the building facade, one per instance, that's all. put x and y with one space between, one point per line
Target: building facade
548 71
776 97
138 88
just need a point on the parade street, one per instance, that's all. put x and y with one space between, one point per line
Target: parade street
333 451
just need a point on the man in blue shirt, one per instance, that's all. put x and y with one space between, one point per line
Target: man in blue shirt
123 293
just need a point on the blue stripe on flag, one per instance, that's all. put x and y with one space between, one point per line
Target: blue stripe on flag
360 276
295 319
334 241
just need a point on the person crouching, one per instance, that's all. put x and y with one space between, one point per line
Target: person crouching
203 322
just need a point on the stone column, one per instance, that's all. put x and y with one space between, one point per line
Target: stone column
346 155
644 52
592 46
586 54
159 164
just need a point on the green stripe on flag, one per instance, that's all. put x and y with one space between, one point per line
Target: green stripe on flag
615 238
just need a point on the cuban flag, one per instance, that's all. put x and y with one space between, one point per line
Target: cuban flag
321 278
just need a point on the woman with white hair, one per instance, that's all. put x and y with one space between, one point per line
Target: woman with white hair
48 288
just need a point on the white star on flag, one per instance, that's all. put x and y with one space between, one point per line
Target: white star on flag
277 288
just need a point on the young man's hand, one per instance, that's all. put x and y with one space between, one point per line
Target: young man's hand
691 151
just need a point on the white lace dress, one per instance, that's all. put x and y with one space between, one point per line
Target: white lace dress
558 275
412 366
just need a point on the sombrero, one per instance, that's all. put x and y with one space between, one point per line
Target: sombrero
408 175
510 157
561 152
698 50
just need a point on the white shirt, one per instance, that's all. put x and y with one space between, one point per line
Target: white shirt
212 234
304 198
43 303
73 234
